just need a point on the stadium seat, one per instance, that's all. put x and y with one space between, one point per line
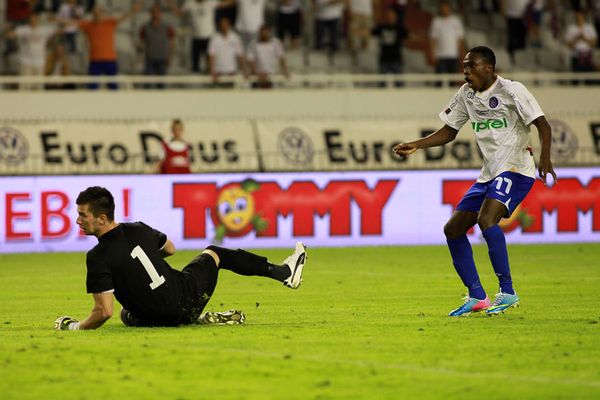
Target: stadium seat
415 61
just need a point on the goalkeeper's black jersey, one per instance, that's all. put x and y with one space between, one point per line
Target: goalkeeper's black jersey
127 260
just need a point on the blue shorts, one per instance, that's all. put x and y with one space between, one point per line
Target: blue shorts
509 188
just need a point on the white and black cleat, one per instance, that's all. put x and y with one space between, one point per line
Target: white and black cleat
231 317
295 262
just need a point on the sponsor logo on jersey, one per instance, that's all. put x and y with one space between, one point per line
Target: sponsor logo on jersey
482 112
494 102
479 126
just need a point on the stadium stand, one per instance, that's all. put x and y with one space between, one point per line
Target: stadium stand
487 28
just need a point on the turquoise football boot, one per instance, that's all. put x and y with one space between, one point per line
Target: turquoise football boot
503 302
470 305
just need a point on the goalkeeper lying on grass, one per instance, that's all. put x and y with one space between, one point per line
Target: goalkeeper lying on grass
128 263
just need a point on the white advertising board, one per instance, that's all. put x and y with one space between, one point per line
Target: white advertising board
121 147
69 148
367 144
275 210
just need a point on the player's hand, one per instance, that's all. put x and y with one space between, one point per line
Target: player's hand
545 168
404 149
62 323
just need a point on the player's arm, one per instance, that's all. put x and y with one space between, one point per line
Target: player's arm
545 164
440 137
168 249
102 311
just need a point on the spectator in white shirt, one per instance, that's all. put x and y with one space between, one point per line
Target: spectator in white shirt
581 37
225 52
202 20
265 55
32 40
447 40
250 17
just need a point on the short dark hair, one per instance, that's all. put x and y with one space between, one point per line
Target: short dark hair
100 201
486 54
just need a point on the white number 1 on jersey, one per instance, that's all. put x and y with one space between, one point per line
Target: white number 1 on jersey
157 279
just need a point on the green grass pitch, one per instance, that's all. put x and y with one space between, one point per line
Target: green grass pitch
367 323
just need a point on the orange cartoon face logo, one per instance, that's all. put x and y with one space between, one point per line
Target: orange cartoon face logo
235 208
235 212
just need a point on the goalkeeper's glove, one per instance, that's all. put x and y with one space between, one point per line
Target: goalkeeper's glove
66 324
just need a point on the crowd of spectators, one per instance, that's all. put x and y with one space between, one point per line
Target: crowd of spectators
252 37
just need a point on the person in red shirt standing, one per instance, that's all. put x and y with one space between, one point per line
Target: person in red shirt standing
175 152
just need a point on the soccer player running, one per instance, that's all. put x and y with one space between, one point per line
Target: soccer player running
128 263
500 111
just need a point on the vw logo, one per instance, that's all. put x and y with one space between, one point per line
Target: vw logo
13 146
295 145
564 141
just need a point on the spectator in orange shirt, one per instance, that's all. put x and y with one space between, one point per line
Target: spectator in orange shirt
100 33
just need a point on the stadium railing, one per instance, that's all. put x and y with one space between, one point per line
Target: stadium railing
138 164
296 81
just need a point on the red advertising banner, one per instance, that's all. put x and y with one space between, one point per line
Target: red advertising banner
274 210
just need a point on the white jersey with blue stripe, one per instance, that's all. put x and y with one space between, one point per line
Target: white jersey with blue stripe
500 117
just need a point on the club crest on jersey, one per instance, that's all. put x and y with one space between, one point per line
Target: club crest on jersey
494 102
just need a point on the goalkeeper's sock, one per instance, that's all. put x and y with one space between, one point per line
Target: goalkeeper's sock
462 258
498 253
279 272
245 263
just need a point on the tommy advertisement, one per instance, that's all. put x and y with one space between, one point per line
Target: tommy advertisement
275 210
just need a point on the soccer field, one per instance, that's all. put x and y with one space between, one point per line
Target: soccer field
367 323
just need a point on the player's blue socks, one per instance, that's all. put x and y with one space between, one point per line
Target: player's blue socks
496 242
462 258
